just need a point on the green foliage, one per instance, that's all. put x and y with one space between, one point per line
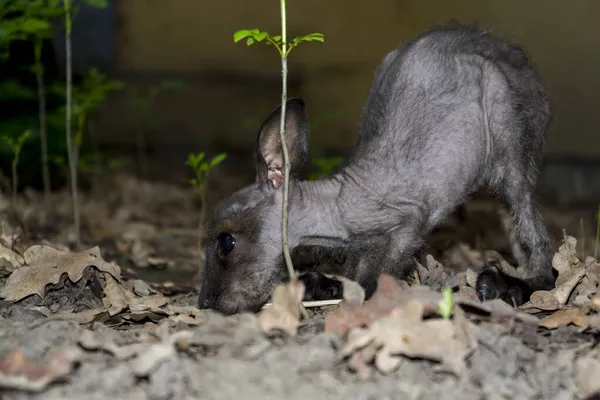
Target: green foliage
88 97
17 145
202 168
446 304
256 35
326 166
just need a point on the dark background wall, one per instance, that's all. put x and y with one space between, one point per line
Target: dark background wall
231 87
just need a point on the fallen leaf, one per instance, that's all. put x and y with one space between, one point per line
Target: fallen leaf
563 290
544 300
190 315
573 315
83 317
349 315
404 332
565 261
433 275
45 266
494 258
471 278
16 372
284 313
115 299
352 291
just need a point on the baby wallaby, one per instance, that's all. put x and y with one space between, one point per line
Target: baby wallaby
451 111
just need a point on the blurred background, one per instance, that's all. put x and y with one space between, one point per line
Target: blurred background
186 87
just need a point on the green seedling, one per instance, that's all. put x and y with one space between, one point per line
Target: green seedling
283 47
33 23
142 104
69 12
16 147
325 166
446 304
202 168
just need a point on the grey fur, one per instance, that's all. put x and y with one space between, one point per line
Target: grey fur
452 111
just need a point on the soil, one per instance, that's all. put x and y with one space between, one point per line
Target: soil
149 230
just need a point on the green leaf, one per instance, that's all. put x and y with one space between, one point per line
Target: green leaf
250 41
313 37
446 304
216 160
241 34
34 25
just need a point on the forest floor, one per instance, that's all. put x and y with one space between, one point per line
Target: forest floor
118 317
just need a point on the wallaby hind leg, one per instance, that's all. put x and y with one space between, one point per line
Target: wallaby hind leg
532 235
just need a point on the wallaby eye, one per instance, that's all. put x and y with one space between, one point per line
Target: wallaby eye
226 243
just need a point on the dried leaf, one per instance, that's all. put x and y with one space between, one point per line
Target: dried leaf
563 290
471 278
352 291
83 317
46 267
544 300
284 313
190 315
404 332
350 315
433 275
16 372
573 315
115 299
565 261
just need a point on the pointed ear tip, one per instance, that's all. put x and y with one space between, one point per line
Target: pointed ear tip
297 101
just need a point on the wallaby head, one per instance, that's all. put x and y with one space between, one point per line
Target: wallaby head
244 259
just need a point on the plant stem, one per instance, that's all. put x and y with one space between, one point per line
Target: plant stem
70 147
286 160
39 74
14 178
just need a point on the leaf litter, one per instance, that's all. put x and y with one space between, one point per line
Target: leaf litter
151 333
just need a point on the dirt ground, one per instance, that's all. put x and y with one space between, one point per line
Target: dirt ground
117 318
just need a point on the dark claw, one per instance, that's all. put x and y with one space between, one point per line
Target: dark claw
495 284
319 287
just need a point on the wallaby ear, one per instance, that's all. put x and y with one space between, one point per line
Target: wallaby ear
269 154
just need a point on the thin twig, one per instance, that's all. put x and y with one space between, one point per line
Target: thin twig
286 158
312 304
70 147
39 75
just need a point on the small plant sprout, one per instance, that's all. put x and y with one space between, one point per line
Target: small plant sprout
202 169
284 48
69 12
326 166
446 304
16 146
